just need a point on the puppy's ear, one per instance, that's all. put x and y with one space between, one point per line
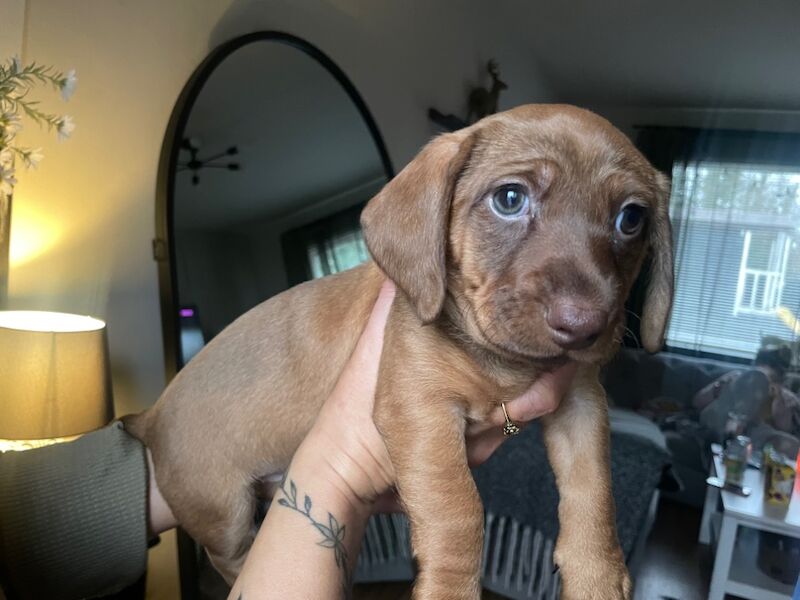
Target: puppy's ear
658 298
405 225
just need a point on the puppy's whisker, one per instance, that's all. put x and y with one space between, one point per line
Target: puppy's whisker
628 332
633 314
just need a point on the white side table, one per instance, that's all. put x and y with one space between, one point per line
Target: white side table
732 521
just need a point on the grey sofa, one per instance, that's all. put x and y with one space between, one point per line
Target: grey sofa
661 387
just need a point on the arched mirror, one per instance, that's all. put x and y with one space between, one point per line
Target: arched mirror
269 156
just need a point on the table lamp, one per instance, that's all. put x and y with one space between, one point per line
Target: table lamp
55 381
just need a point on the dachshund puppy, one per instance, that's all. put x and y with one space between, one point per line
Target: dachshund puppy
514 244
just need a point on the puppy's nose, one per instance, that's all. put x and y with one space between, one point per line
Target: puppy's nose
574 327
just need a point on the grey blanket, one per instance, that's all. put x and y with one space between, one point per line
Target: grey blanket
517 481
518 490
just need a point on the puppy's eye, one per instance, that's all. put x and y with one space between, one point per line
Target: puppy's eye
630 220
510 200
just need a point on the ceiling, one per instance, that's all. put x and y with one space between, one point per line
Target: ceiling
731 53
734 54
300 139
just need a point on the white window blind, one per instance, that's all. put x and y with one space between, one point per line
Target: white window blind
737 259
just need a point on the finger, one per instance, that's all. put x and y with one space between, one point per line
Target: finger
365 359
482 445
371 340
542 398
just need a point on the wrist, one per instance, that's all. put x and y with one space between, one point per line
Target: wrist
159 514
333 476
314 514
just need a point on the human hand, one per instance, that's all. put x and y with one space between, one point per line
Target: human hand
345 447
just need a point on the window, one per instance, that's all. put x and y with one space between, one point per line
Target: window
330 245
737 261
337 253
762 272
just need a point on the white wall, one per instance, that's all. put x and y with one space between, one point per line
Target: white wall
11 27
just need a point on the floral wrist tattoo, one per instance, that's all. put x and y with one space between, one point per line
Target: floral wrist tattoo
332 531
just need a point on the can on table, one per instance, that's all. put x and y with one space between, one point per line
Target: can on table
735 458
779 476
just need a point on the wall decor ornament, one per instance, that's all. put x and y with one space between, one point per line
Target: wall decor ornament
481 102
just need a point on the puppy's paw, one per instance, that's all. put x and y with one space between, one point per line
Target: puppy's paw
595 579
430 585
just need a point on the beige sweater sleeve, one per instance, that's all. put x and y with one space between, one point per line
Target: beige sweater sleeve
73 517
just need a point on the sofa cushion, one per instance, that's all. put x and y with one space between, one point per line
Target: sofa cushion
626 422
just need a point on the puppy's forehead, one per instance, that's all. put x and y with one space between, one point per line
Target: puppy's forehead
579 142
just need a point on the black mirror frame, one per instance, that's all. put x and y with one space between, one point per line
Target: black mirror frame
164 242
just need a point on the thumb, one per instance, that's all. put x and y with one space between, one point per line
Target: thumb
362 367
545 395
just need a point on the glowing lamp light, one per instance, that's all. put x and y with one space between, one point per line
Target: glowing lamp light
32 235
54 378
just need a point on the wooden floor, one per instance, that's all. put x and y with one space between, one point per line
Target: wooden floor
397 591
674 566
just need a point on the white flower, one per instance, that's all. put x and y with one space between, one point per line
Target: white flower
6 156
65 127
7 179
68 84
32 157
11 123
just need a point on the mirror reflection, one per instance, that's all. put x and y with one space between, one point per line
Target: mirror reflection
275 162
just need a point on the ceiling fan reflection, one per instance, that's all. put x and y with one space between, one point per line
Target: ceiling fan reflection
195 163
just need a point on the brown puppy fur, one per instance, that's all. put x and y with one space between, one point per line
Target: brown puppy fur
486 302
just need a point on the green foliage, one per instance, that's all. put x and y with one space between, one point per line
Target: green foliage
16 83
751 188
